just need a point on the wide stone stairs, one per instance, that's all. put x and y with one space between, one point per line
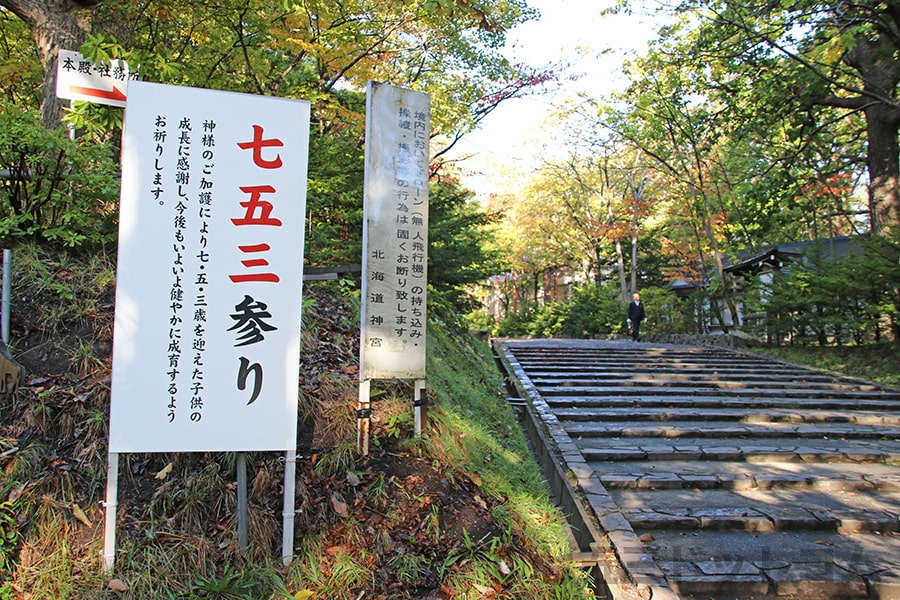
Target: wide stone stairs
729 475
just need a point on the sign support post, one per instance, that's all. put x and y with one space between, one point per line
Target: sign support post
241 466
419 407
112 506
287 533
363 414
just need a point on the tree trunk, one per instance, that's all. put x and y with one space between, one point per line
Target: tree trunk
717 258
635 224
878 101
54 24
620 252
636 183
620 267
634 249
883 162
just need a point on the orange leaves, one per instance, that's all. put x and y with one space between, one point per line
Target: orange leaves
835 186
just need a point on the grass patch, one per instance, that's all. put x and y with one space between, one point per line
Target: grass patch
879 363
460 513
476 431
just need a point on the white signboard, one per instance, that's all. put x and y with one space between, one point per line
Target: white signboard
207 328
78 78
395 234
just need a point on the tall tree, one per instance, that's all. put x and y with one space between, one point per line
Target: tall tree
300 48
841 55
460 252
54 24
681 136
319 50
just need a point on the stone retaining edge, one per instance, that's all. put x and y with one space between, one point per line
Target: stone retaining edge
628 571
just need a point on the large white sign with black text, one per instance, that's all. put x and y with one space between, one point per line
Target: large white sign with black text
207 328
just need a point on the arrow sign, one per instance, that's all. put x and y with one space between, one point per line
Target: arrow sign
112 97
79 78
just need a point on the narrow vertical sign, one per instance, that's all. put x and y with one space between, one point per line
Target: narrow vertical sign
206 344
395 233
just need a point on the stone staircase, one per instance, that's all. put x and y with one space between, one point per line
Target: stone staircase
717 474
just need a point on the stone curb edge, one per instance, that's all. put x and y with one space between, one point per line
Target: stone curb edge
603 535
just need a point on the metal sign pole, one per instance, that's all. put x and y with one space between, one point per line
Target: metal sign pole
112 493
287 536
242 500
419 411
7 271
363 413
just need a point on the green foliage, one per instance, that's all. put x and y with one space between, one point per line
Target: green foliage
825 300
476 431
550 319
518 323
666 313
471 551
334 200
400 424
348 572
689 314
593 310
408 568
73 284
318 51
9 534
58 189
878 362
590 310
458 234
458 230
20 68
238 584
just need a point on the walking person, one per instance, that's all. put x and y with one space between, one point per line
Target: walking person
636 314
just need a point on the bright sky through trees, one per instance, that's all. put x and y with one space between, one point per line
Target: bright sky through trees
569 31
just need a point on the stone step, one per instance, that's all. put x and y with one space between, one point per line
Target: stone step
633 398
643 365
651 365
752 519
824 478
675 379
708 429
744 379
729 415
722 475
662 387
762 450
795 564
847 513
640 355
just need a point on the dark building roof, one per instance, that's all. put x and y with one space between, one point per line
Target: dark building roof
775 258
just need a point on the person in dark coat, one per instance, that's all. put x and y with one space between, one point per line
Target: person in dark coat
636 314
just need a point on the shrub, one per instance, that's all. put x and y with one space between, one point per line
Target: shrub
517 324
58 189
593 310
852 299
666 313
590 310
